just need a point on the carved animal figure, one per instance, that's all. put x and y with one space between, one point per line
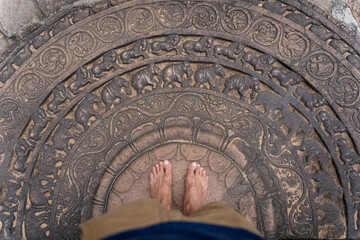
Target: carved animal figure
139 49
85 110
346 155
285 79
271 102
330 214
62 24
37 191
23 56
40 120
208 75
168 45
326 184
331 126
275 142
113 90
48 161
13 183
242 83
354 183
35 231
229 51
60 95
62 134
313 150
310 100
108 63
82 78
7 71
7 222
203 45
294 122
258 63
353 59
175 72
145 77
22 150
324 181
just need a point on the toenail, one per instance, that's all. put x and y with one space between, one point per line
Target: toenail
166 162
194 164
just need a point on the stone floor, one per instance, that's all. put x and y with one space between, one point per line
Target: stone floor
19 17
264 94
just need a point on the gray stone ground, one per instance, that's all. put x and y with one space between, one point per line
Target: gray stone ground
18 15
346 11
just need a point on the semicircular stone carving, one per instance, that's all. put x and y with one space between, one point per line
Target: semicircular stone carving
265 97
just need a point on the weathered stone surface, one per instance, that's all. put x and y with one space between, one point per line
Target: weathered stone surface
266 99
4 42
342 10
14 15
50 6
355 9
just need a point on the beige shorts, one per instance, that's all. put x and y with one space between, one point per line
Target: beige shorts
147 212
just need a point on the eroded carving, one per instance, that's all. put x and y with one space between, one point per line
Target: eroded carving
175 72
168 45
208 75
139 49
114 90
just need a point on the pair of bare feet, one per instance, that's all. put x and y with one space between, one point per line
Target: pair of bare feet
196 185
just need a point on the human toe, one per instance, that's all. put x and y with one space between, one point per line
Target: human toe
167 167
161 167
157 166
192 168
198 170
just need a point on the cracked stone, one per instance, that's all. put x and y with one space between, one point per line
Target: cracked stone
354 5
15 14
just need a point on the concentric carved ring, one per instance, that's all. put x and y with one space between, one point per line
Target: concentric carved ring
264 97
31 85
140 19
294 45
235 20
53 60
10 112
265 32
204 16
172 14
109 28
81 43
344 91
321 66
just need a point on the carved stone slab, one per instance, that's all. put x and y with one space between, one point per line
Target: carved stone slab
265 95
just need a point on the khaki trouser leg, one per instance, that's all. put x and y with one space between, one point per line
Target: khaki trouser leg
138 214
218 213
147 212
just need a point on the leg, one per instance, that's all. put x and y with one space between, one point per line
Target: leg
138 214
160 183
196 186
218 213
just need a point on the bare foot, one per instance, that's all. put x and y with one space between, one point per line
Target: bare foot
196 186
160 183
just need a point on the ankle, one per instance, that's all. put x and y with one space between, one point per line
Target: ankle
166 204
